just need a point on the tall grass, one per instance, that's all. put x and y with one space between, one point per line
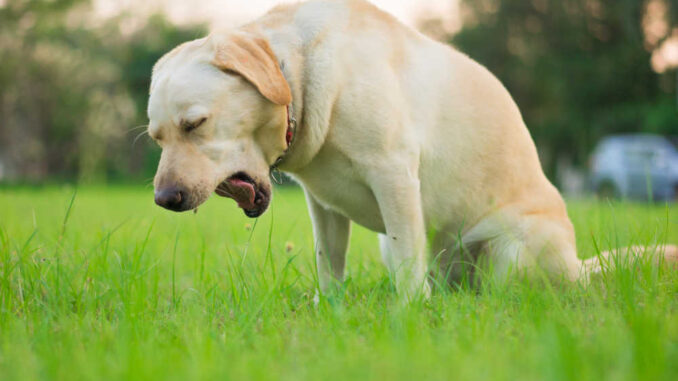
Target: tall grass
101 284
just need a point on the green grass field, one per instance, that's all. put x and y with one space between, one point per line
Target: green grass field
117 288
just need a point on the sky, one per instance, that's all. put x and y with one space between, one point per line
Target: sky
230 13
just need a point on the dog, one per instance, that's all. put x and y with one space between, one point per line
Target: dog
381 126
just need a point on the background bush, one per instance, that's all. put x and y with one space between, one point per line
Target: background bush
72 88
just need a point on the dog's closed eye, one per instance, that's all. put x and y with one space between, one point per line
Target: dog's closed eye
189 126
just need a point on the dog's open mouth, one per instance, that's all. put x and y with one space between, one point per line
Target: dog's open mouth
253 198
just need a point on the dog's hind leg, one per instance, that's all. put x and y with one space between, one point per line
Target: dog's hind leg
544 247
525 245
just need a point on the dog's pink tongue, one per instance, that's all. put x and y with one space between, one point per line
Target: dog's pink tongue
242 192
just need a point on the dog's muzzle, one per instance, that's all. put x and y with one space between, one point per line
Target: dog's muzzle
252 197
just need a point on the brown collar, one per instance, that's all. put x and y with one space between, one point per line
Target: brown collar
290 134
291 126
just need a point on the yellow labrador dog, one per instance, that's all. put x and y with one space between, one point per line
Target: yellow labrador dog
380 124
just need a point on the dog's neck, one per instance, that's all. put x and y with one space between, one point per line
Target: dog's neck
294 156
290 48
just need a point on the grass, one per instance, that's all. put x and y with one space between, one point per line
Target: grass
112 287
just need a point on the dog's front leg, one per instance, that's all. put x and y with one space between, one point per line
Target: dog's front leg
331 232
397 191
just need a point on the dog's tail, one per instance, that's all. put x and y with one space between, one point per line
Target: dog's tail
666 255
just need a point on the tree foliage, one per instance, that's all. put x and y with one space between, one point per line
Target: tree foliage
578 69
70 91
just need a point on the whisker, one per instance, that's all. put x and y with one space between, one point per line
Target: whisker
138 136
148 183
137 127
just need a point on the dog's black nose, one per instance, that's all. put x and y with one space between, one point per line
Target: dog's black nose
172 198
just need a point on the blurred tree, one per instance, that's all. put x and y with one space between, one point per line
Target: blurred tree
137 55
70 91
578 69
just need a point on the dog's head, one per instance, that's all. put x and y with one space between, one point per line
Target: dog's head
217 110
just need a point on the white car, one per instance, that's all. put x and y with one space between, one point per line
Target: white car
637 166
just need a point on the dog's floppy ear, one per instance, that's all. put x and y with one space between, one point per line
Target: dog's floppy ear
252 58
